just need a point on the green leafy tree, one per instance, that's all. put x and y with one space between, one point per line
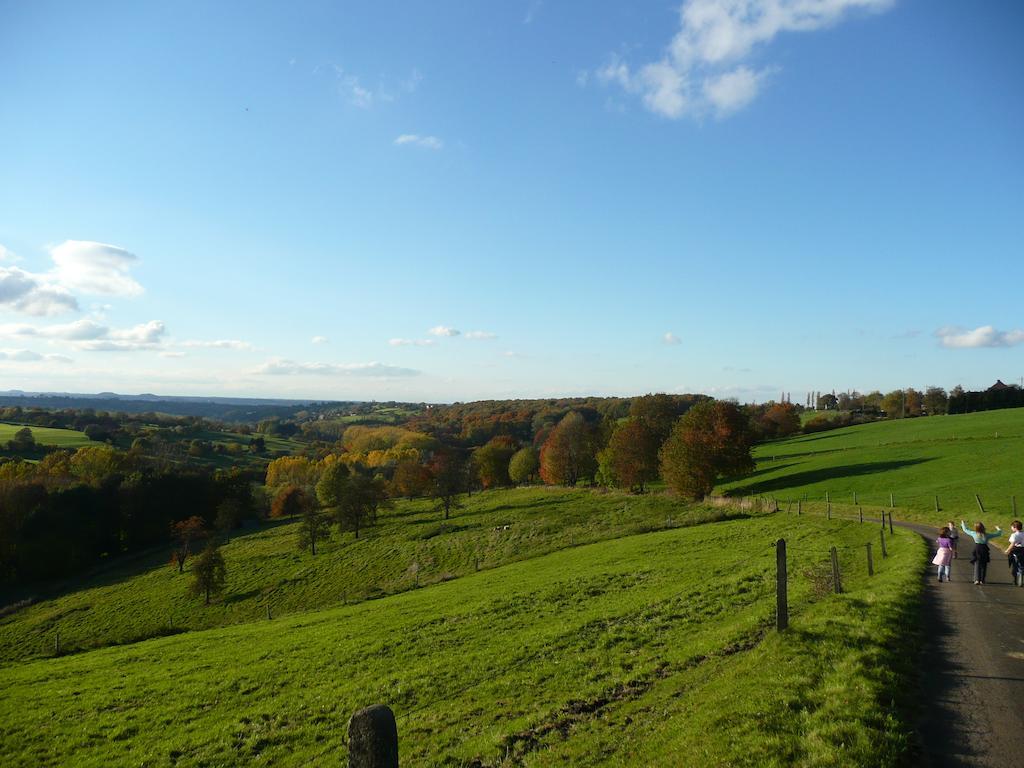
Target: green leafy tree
894 403
936 401
522 467
450 480
362 497
332 484
631 457
314 526
209 574
492 461
712 440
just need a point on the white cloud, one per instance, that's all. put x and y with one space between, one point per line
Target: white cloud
953 337
414 139
701 69
411 342
216 344
671 339
6 254
28 356
139 337
481 335
443 330
33 294
94 268
319 340
280 367
350 87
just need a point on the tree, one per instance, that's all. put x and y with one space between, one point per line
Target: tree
411 479
893 404
184 534
209 574
492 461
781 420
23 442
935 401
522 467
362 497
229 514
659 412
314 526
331 487
713 439
914 403
291 470
95 463
632 455
568 454
290 501
827 402
450 480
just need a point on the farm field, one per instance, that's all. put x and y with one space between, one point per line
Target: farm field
65 438
630 650
411 544
952 457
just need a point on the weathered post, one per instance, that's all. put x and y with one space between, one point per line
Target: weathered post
781 585
373 738
892 501
799 506
835 572
981 506
937 509
890 524
476 563
882 534
828 510
860 511
871 565
269 617
855 498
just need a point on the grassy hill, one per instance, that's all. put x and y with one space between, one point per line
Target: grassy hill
648 649
952 457
146 597
64 438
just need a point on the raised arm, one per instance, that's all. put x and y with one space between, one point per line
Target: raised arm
968 531
996 535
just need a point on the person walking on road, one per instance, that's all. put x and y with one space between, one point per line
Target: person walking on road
981 554
1016 553
944 555
954 537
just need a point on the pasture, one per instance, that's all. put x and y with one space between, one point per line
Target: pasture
626 651
951 457
63 438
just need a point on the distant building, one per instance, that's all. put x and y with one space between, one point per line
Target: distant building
998 386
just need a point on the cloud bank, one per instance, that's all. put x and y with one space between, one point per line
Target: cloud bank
954 337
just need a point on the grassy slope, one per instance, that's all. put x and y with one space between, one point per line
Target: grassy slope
649 649
142 598
65 438
953 457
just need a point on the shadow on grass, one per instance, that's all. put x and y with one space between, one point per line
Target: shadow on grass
810 477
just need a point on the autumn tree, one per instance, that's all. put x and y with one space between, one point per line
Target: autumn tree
492 461
894 404
658 412
291 470
450 476
569 454
781 420
209 574
713 439
184 535
332 484
630 459
290 501
411 479
522 467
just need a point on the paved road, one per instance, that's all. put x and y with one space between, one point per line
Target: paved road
973 665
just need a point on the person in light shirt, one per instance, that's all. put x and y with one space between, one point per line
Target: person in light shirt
981 554
1015 552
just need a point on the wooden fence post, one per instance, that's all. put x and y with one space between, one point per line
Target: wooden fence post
799 506
855 498
781 585
860 510
269 617
871 565
892 502
981 506
890 524
373 738
828 510
882 534
835 572
937 508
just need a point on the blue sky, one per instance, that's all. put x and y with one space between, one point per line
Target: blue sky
311 199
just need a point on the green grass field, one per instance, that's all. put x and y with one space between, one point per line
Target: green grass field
652 649
146 596
65 438
952 457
